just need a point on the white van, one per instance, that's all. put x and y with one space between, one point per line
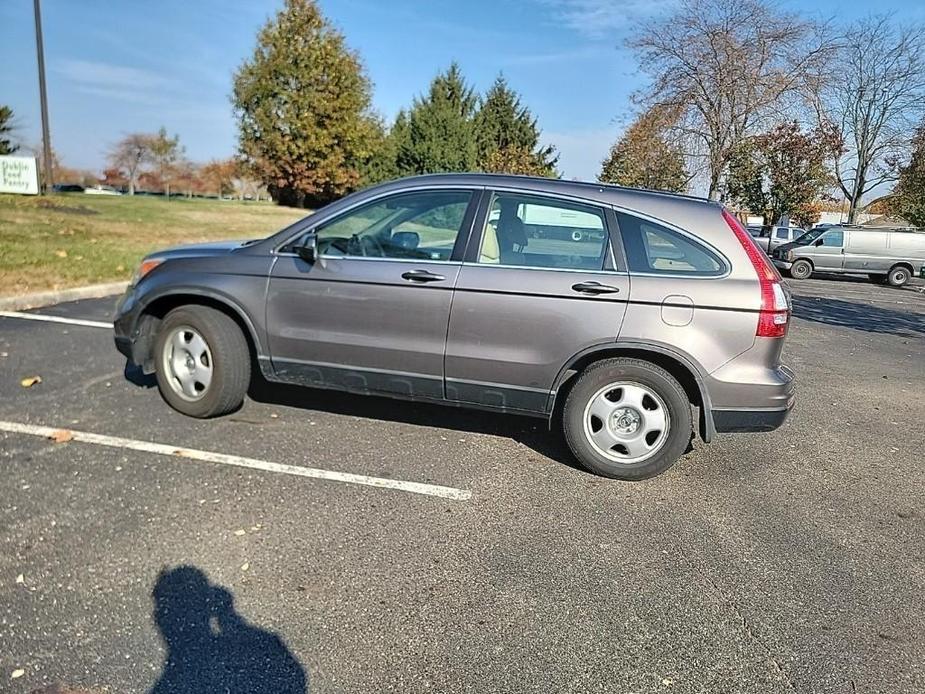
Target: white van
885 255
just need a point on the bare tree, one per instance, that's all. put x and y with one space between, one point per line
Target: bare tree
875 97
166 153
129 155
728 67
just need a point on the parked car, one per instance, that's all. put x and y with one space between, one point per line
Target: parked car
67 188
432 289
781 235
101 190
885 255
761 235
770 237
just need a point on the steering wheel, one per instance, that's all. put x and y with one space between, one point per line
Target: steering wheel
369 246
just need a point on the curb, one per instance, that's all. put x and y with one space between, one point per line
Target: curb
40 299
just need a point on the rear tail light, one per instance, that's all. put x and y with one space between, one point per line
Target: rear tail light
774 316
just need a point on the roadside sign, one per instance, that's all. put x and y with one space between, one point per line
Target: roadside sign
19 175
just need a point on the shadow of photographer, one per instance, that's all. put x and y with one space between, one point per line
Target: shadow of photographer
211 647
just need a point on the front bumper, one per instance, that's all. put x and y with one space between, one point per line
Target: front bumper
132 337
781 264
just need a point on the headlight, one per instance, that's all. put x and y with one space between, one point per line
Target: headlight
146 266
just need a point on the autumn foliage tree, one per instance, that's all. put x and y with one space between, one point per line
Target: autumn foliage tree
303 106
784 171
646 157
219 174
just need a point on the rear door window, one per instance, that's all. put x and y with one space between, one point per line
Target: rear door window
655 249
532 231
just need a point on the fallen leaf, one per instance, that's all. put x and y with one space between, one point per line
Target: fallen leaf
30 381
61 436
20 579
16 674
239 532
245 566
61 253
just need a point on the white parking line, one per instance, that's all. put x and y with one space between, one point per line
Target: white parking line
237 461
55 319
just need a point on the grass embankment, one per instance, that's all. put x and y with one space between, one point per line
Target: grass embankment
69 240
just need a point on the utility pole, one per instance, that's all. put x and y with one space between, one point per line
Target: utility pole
48 178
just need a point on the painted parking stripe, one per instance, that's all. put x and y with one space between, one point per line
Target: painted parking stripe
55 319
184 454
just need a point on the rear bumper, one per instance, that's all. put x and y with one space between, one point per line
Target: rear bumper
735 421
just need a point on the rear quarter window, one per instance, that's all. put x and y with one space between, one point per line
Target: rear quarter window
655 249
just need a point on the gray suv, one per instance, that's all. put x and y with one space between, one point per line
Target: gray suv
629 318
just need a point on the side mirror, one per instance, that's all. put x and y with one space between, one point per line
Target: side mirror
818 242
307 250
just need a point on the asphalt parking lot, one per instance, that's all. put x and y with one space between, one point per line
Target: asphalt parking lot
784 562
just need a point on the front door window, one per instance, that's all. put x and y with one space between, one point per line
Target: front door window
418 226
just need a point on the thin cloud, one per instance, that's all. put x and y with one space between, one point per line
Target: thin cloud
601 18
114 81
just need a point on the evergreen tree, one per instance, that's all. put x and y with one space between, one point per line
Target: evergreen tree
507 135
644 157
909 196
303 104
440 128
6 127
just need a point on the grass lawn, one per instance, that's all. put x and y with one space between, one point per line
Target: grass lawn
69 240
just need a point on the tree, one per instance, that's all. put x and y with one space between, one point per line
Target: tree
166 154
909 195
727 67
784 171
441 128
645 157
129 155
303 108
7 146
382 164
219 175
507 136
876 98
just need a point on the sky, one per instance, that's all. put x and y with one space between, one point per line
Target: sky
119 67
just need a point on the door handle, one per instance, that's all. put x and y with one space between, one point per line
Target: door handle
594 288
422 276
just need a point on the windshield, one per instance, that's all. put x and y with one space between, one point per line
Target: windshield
810 236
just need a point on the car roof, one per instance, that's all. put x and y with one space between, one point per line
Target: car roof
600 192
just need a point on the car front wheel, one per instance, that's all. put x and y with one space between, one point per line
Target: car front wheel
898 276
801 270
627 419
202 362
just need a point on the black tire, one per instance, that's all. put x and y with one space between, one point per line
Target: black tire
231 363
636 371
801 269
898 276
877 277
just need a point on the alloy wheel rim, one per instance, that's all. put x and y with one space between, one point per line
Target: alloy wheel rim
187 362
626 422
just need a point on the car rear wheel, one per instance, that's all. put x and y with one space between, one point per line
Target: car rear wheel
627 419
801 270
898 276
202 362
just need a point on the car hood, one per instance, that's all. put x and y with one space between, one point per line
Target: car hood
784 247
197 250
